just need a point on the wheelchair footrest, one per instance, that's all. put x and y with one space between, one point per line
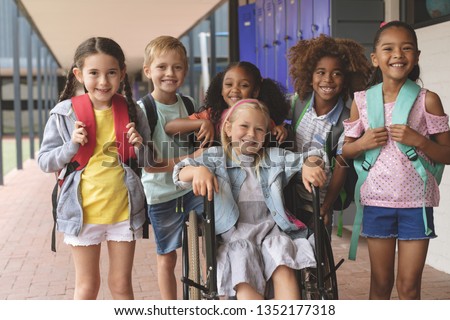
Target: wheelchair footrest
191 283
333 271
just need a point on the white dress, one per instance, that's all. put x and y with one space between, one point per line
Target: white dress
252 250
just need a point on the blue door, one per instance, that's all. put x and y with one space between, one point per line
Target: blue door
260 38
280 43
292 31
247 33
321 17
269 32
306 20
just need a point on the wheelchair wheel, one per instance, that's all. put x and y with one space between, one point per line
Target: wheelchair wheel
199 255
309 277
194 255
191 258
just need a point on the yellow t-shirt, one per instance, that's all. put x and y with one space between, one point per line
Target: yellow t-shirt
104 195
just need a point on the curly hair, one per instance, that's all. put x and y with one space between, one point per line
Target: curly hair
304 56
271 93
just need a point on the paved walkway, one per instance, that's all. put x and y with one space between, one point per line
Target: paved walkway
30 270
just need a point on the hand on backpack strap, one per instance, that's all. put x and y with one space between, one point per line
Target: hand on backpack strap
404 134
79 134
373 138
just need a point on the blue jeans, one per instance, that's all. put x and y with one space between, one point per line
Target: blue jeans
167 220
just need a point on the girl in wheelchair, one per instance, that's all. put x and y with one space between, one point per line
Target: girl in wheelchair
258 239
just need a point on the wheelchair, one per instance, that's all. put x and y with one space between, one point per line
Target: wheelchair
199 263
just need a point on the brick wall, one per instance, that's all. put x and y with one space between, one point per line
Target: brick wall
434 42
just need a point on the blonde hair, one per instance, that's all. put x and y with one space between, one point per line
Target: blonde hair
232 115
162 45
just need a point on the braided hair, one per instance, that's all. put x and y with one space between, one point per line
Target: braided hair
92 46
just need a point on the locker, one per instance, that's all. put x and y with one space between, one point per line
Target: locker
292 32
260 35
321 18
247 33
269 32
280 43
292 22
306 21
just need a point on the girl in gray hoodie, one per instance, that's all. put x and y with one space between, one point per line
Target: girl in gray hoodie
101 199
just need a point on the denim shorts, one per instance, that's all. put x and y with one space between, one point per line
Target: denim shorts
167 221
93 234
401 223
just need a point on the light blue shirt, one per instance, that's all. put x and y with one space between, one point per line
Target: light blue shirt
159 187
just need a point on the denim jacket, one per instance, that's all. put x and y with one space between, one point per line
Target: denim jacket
277 167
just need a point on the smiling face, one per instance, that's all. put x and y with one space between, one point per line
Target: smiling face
167 72
101 77
395 54
237 85
328 81
247 130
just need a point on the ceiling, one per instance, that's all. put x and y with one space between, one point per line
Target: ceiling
64 24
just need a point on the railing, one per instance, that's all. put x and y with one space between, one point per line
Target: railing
28 78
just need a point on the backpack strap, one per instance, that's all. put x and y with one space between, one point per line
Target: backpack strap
121 120
150 110
336 132
299 109
152 115
375 112
84 112
188 104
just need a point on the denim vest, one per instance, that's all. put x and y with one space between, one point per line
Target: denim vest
277 167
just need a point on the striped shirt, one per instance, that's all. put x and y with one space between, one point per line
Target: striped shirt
311 134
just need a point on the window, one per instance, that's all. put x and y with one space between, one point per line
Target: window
422 13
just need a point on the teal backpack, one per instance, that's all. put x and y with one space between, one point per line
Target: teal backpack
375 112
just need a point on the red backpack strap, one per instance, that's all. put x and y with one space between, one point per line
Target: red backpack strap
84 111
121 119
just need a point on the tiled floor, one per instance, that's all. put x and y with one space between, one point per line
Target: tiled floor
30 270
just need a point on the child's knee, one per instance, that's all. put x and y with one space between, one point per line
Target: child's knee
283 273
167 261
120 285
408 290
